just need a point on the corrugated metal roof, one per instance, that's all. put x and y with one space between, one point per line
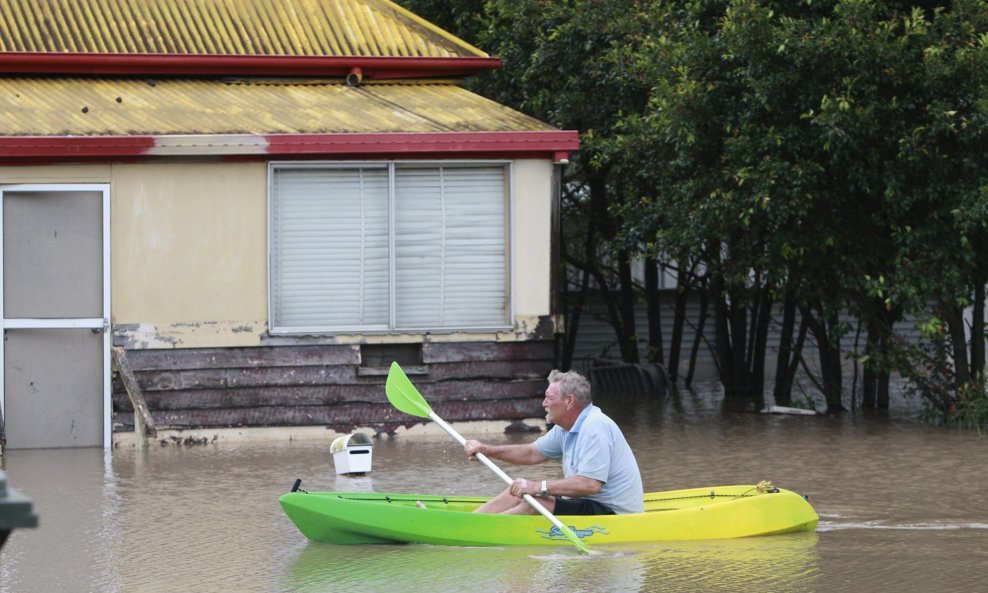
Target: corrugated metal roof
370 28
130 107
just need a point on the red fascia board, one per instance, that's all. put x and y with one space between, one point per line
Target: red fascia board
67 148
103 64
544 142
555 144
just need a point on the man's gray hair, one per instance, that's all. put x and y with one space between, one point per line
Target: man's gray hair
572 382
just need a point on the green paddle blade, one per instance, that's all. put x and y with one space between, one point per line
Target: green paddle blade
403 395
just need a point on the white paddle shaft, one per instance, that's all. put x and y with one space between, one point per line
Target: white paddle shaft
507 479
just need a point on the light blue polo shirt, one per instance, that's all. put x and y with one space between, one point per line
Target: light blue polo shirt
596 448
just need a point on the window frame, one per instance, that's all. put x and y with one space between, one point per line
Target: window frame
391 166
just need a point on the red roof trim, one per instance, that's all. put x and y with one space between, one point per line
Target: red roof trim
200 65
398 143
65 148
532 144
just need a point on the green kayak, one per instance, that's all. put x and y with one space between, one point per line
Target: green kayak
693 514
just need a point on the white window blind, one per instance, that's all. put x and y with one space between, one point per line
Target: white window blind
335 253
449 246
329 248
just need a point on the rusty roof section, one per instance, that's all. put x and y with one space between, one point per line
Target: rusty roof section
285 28
69 106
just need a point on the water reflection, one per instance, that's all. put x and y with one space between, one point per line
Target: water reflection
779 563
73 492
783 563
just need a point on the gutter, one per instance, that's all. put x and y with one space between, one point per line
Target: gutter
109 64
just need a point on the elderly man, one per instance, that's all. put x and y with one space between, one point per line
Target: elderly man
600 473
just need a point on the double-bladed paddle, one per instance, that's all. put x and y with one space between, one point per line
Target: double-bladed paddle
403 395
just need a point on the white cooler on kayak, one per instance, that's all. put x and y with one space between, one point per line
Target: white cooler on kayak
352 453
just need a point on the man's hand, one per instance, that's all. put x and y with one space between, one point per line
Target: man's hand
520 488
473 447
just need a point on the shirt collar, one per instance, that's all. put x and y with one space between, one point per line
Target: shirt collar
579 419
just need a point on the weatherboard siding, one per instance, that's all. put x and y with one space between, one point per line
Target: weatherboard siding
327 385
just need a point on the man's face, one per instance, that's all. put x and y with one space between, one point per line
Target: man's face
555 403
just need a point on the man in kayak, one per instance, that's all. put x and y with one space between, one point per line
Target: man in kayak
600 473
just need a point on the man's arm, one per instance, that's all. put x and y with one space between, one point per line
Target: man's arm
516 454
573 487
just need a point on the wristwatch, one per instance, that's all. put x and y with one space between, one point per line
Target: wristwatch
544 490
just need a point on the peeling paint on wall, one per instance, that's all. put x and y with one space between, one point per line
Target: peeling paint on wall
221 334
203 334
542 327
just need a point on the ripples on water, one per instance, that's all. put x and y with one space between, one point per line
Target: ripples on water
902 509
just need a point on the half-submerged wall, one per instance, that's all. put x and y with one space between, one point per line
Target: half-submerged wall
333 385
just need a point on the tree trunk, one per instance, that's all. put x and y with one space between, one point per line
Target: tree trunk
760 343
739 340
628 339
856 348
698 337
722 333
879 321
978 329
782 392
656 352
742 340
573 322
797 355
732 340
830 361
870 379
678 324
954 318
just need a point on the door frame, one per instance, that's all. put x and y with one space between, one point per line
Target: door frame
100 324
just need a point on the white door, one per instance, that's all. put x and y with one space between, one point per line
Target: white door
55 314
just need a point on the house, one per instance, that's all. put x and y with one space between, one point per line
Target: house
259 205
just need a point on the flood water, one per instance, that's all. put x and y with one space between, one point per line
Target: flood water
903 508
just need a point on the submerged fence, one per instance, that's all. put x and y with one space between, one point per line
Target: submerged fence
614 376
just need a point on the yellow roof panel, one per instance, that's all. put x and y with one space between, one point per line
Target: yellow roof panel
298 28
130 107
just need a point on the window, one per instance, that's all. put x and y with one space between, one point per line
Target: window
392 246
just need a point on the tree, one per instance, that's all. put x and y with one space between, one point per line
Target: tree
792 137
824 158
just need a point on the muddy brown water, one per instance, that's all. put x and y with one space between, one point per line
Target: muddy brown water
903 508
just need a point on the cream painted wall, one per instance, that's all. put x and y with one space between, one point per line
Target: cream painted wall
532 228
189 249
59 174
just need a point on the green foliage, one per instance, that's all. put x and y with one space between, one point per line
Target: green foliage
971 407
933 378
835 153
830 152
820 148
